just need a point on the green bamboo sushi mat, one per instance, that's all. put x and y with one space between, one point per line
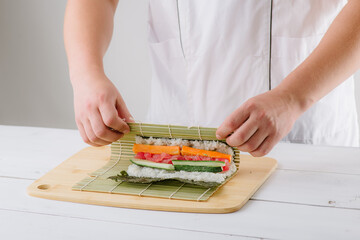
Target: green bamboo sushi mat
121 152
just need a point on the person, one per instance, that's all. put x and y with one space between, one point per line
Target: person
260 71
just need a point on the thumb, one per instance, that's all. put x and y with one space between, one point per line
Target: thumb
122 110
232 122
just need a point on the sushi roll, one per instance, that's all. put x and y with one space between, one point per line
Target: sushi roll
205 163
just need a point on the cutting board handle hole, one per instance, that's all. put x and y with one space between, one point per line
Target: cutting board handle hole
43 187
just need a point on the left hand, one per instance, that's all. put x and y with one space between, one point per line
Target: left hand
260 123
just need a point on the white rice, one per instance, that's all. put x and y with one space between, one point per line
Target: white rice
137 171
205 145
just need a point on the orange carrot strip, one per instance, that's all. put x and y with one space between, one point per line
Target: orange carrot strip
194 151
154 149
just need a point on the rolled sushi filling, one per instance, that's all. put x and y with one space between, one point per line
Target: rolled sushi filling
185 151
190 161
167 158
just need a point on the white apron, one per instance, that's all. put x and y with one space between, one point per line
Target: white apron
210 56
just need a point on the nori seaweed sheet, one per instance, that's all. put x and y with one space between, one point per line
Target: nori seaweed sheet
123 176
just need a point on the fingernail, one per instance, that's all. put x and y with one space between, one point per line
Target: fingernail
218 136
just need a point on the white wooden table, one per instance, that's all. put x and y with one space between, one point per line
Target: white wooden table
314 194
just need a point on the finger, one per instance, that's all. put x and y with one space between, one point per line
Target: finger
254 142
111 118
243 133
266 146
83 134
231 123
94 140
123 111
101 131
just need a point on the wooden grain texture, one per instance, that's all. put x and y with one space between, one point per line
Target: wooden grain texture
304 157
261 219
43 226
57 184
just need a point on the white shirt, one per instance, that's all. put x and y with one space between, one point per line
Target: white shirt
210 56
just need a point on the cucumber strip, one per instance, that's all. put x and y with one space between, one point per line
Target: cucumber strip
150 164
199 163
189 168
198 166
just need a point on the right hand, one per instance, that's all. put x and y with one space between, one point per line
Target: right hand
100 111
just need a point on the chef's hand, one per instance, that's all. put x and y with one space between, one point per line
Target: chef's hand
100 111
260 123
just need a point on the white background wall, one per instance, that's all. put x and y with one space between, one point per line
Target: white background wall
34 85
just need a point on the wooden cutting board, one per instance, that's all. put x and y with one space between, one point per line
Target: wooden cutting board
57 185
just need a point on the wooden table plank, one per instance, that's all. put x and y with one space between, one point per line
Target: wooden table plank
16 225
317 158
261 219
30 152
312 188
